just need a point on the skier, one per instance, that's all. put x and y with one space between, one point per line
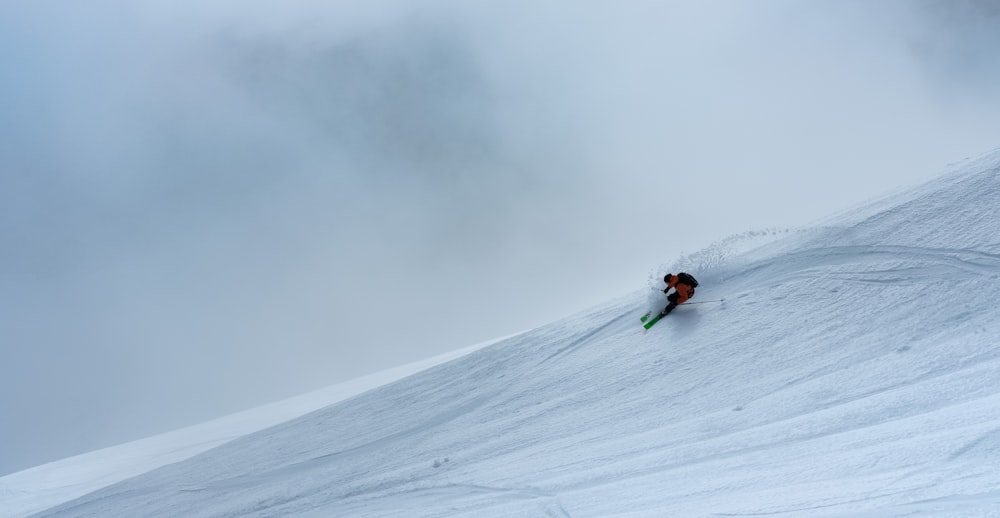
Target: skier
683 285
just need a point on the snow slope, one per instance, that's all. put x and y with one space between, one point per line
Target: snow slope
36 489
853 371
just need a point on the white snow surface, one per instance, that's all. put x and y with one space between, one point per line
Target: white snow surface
852 371
39 488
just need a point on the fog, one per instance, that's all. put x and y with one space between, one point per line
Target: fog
204 208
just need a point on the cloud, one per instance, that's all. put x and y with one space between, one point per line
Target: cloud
956 42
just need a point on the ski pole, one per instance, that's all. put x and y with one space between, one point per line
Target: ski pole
654 288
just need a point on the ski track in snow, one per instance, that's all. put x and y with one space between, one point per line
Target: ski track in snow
852 371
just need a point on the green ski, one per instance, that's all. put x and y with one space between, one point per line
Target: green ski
649 323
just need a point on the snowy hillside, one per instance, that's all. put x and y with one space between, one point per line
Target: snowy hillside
852 371
42 487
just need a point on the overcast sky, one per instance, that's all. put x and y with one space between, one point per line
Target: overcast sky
206 206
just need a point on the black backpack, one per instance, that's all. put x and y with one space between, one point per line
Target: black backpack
686 278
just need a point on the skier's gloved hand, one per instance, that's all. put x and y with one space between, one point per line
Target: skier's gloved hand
666 290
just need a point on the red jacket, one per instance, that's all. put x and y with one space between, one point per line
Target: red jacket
684 291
